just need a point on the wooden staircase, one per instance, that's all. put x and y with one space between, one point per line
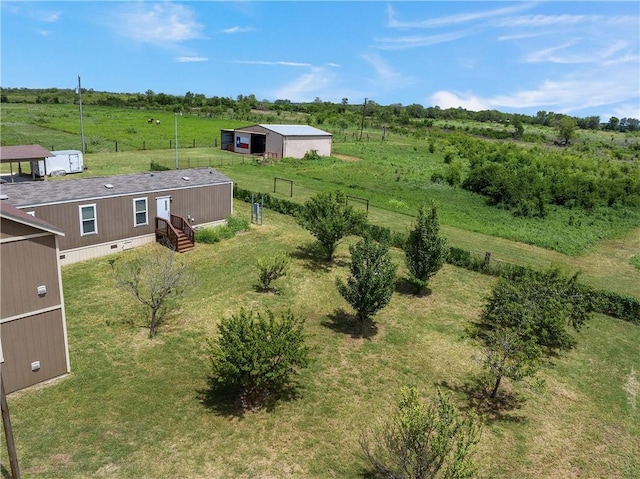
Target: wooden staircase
177 234
183 243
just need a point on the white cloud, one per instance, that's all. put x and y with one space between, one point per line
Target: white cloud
415 41
570 94
158 23
238 30
43 33
316 83
466 17
186 59
280 63
385 76
447 99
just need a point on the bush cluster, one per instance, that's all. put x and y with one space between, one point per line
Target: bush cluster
214 234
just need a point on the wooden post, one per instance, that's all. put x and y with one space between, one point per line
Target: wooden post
8 432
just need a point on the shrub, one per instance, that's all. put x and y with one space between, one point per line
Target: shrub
237 224
423 441
213 234
257 356
271 268
158 167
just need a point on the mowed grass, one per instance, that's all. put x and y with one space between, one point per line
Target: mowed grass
133 407
605 264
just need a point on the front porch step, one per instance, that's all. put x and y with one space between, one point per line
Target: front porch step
184 244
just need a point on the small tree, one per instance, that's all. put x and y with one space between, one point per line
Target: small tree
157 279
538 306
506 354
525 319
425 250
566 127
257 356
423 442
271 268
328 217
372 280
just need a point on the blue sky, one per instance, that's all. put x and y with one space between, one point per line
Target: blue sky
579 58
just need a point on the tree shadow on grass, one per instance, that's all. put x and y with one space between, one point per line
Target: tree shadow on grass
314 258
404 286
5 474
228 402
346 323
499 409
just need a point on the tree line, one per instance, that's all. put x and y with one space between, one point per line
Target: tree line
323 111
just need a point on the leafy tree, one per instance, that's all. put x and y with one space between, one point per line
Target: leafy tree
425 250
328 217
157 279
372 280
507 354
257 356
423 441
271 268
539 306
566 127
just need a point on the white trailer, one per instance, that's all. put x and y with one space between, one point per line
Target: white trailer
64 161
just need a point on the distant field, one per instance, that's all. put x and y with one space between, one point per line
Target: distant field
394 176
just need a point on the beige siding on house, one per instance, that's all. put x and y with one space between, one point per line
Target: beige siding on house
27 264
36 338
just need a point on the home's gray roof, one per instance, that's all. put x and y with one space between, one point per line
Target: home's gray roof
12 213
296 130
23 153
66 190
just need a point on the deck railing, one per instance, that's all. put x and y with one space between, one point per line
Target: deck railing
172 229
181 224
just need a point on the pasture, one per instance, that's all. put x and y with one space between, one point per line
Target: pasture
139 408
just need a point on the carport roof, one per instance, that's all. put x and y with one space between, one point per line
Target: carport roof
10 154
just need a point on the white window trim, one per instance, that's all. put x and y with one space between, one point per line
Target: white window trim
95 219
146 212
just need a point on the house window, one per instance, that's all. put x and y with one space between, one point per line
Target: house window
140 212
88 222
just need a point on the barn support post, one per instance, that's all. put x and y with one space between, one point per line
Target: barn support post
8 432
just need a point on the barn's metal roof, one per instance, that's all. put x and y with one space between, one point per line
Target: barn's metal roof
296 130
67 190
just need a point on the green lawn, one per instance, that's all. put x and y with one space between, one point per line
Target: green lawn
133 407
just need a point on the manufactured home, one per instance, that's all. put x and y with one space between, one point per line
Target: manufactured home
33 331
62 162
102 215
277 141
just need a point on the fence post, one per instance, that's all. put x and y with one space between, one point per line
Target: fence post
116 147
194 142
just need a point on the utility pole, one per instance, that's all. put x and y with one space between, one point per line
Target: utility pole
364 106
8 431
84 149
